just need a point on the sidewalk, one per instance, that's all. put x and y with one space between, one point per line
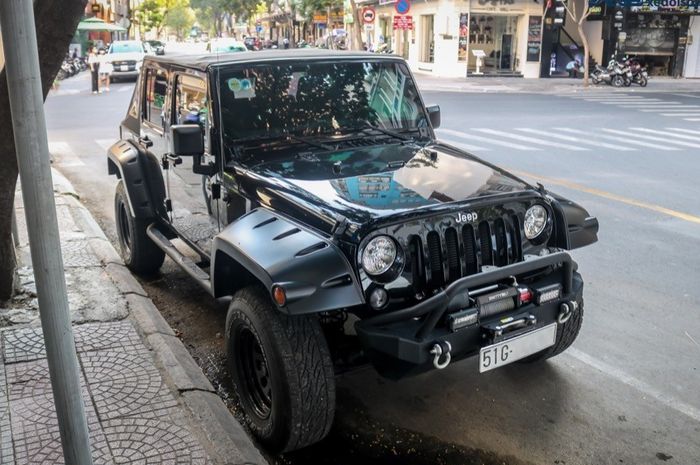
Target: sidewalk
428 82
146 400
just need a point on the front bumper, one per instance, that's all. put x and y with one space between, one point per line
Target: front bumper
399 343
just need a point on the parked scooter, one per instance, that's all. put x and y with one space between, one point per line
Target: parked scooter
639 73
614 75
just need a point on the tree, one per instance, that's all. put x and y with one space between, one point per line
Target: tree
56 22
179 17
151 14
579 17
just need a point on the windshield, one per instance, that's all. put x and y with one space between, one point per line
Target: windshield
309 99
126 47
228 47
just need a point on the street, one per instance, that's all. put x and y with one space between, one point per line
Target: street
626 392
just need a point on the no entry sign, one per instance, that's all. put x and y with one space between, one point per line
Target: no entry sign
402 6
368 15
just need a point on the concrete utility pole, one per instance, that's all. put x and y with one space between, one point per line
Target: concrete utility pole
27 107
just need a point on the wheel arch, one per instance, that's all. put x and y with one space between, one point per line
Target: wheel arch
142 178
266 248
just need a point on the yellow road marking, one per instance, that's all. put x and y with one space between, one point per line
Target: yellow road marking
610 196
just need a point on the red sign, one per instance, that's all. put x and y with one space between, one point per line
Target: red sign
402 6
368 15
403 22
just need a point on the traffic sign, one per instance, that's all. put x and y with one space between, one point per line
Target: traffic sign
402 6
403 22
368 15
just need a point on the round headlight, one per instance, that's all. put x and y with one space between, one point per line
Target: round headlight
378 256
535 221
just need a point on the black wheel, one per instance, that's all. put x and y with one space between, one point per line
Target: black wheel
566 335
617 81
138 251
282 371
643 81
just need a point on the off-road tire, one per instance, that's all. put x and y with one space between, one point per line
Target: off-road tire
297 368
566 335
138 251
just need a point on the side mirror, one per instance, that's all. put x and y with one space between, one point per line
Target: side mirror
187 140
434 115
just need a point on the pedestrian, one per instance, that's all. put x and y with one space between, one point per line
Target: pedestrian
106 69
94 64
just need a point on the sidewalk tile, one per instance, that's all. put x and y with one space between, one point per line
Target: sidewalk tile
33 419
149 441
126 383
100 336
6 453
23 345
78 254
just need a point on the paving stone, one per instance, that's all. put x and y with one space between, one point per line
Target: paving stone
101 336
22 345
33 419
150 441
6 452
78 254
126 383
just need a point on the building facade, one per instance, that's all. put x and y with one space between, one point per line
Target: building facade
447 37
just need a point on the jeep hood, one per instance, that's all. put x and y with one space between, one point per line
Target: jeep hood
379 182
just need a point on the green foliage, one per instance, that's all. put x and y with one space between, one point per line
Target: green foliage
150 14
179 16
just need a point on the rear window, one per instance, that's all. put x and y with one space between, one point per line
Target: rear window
126 47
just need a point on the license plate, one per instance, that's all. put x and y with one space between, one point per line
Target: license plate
124 67
511 350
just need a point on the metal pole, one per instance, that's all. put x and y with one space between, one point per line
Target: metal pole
27 106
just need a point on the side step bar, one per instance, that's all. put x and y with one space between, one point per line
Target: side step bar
199 275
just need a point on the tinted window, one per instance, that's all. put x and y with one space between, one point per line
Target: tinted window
154 95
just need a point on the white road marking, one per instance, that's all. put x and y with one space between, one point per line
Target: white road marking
576 139
64 154
470 137
687 95
105 144
464 146
665 133
651 104
680 115
660 139
646 389
692 119
125 89
617 100
689 131
532 140
680 109
626 140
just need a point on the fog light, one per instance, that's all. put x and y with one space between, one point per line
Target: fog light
378 298
279 295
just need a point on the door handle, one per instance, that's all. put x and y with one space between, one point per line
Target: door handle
145 141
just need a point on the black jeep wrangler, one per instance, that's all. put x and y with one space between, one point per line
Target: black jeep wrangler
343 232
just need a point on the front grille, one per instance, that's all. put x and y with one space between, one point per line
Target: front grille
442 256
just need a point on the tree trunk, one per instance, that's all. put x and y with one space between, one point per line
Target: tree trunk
585 51
55 26
357 25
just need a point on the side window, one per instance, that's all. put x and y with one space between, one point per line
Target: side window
191 103
154 96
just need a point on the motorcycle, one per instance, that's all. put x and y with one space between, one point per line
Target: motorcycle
639 73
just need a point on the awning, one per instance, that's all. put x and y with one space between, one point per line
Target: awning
96 24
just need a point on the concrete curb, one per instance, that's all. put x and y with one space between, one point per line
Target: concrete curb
228 441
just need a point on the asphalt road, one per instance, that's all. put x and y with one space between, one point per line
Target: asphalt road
626 392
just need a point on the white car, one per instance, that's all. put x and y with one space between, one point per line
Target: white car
226 45
126 57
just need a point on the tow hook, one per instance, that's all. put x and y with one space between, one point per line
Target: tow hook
439 349
566 309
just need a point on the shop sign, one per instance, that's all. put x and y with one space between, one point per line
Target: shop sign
402 6
496 2
337 16
534 38
320 18
403 22
386 2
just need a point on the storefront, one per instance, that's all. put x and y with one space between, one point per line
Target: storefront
445 37
658 33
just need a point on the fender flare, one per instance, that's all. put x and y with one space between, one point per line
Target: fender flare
312 269
580 228
140 173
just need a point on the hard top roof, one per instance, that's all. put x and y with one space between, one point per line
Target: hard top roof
204 61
